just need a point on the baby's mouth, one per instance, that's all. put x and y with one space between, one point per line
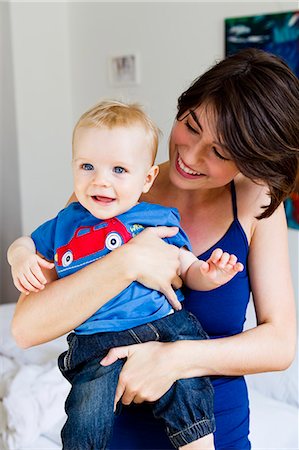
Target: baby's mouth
102 199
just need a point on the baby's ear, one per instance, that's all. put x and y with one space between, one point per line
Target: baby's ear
150 178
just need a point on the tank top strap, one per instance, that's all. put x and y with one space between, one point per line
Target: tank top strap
234 199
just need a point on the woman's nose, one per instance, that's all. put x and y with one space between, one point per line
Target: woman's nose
196 152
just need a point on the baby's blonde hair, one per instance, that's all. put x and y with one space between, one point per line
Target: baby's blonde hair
112 114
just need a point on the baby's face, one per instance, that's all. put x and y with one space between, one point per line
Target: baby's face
111 168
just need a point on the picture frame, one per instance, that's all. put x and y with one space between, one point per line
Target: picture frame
123 70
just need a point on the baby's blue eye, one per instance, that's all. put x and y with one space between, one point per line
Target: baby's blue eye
119 169
87 166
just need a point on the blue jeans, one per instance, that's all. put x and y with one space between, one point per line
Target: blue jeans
186 409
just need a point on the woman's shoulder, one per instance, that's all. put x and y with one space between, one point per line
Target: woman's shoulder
252 194
252 197
249 188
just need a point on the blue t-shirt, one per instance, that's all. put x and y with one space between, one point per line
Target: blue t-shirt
75 238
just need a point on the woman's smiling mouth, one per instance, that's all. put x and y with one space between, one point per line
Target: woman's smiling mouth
185 170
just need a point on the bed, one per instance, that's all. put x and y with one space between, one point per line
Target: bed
32 393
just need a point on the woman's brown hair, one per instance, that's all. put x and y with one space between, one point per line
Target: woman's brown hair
255 97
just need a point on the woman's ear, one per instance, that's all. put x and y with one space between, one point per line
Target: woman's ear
150 178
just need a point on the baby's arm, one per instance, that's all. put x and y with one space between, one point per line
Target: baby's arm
26 265
200 275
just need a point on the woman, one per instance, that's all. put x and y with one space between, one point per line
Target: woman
233 159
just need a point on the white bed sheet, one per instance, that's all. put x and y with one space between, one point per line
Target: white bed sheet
42 443
274 423
31 408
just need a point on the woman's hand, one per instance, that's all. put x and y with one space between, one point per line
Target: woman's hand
147 373
155 263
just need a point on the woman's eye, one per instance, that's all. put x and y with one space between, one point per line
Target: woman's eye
193 130
87 166
219 155
118 169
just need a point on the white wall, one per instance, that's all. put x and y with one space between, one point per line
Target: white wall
10 213
40 48
176 43
59 54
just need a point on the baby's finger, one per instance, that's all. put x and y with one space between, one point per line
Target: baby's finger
33 280
25 291
204 267
27 284
228 267
216 255
44 263
38 274
232 260
224 260
19 286
238 267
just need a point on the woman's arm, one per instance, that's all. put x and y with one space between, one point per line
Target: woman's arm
151 368
271 345
66 303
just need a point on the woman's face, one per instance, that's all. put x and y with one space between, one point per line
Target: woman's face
197 159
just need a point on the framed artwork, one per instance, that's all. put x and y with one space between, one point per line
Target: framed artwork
278 34
123 70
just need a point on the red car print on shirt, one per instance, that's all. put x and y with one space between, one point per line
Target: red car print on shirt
87 240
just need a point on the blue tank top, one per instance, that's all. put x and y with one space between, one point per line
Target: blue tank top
222 313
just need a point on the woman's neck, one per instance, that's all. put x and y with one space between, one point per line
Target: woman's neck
166 193
206 214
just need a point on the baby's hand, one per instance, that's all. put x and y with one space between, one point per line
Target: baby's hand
26 269
221 267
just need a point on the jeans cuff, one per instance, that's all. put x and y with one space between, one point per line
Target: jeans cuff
193 432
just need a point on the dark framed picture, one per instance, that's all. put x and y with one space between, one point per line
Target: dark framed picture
277 34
